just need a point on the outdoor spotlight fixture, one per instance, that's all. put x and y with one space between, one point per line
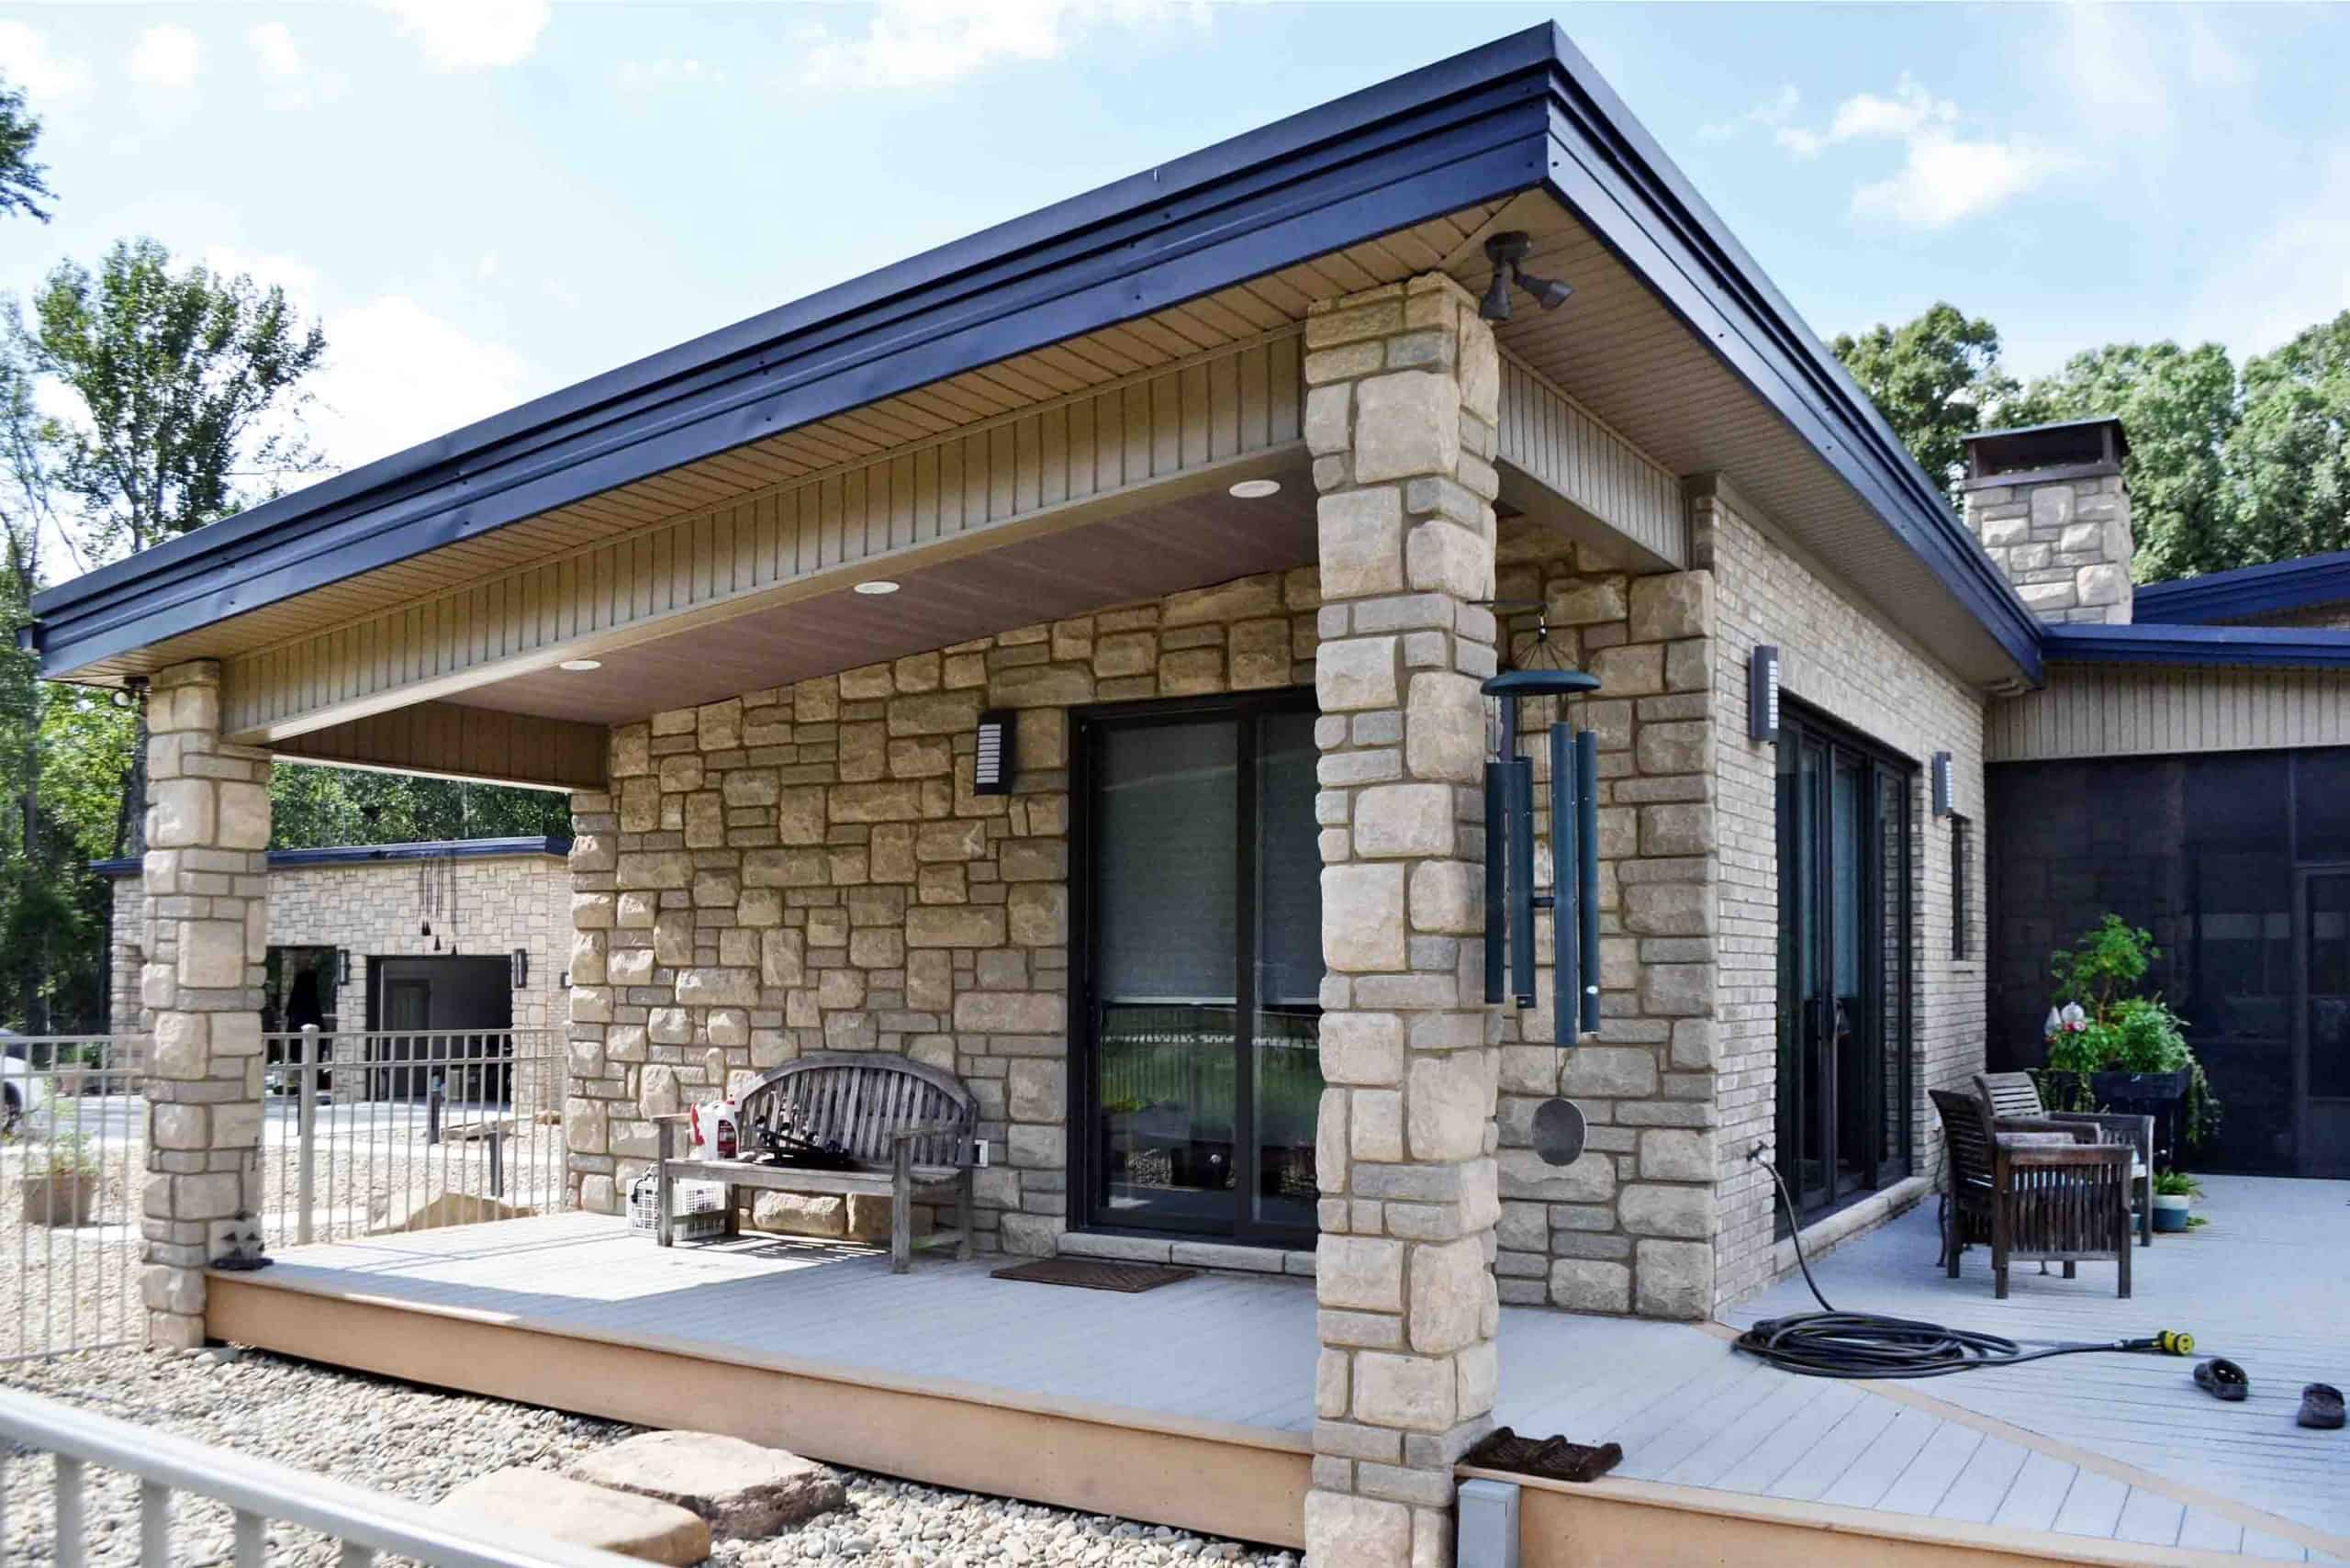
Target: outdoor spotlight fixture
1762 694
1942 784
1507 251
992 761
133 695
522 968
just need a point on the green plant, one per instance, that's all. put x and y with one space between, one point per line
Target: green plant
2100 1023
67 1156
2177 1184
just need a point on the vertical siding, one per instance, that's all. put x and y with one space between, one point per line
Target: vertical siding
1227 404
1551 439
474 743
2149 711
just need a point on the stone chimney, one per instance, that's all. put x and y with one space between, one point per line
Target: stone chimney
2049 504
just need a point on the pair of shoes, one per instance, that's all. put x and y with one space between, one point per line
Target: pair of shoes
2321 1402
1552 1457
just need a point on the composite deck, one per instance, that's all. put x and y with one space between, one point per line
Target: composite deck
1208 1384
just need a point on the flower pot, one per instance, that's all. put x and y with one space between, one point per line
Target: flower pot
2137 1088
61 1200
2171 1210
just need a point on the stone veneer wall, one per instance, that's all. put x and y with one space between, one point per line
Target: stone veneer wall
510 901
1628 1227
806 868
2065 543
1843 660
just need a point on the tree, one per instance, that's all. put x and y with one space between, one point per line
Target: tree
1935 379
2178 408
2288 460
313 807
24 183
189 383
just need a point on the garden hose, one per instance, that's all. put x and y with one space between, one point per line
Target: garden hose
1829 1343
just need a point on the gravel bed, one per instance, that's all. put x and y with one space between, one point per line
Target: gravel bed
419 1443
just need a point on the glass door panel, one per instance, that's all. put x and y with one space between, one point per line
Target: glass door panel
1165 813
2325 1043
1286 1023
1850 872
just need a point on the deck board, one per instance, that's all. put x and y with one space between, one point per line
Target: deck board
1235 1354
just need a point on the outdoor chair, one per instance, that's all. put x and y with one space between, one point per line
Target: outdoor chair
2048 1196
2013 1100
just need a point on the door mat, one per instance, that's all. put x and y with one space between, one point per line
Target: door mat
1095 1274
1552 1457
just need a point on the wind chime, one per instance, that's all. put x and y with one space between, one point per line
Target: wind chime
436 896
1530 698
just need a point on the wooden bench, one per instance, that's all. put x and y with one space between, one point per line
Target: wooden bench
907 1126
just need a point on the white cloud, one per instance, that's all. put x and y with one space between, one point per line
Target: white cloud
921 43
46 78
2274 282
648 75
396 373
291 81
471 34
1944 179
167 57
1944 176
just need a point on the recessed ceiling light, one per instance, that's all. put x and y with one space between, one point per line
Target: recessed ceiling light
1257 489
875 586
578 665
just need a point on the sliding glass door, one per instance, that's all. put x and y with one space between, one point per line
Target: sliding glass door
1844 1087
1200 968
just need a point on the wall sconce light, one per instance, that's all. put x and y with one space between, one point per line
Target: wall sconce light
522 968
1762 694
1943 784
991 764
342 966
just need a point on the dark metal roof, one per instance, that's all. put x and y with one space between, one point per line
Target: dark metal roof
380 854
1525 112
2248 591
2237 645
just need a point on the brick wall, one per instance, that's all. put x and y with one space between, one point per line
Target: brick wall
807 868
1843 660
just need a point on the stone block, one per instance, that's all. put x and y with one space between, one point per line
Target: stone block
1395 820
1354 674
1591 1284
180 813
1676 1280
801 1214
1360 542
1406 423
1451 1287
1651 1209
243 815
1362 918
1587 601
947 926
1450 1104
1609 1071
1362 1048
1011 1012
1416 1393
1670 606
1676 1154
1444 728
212 954
1448 896
741 1490
1343 1528
577 1514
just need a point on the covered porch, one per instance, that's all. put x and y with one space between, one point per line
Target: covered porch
1191 1405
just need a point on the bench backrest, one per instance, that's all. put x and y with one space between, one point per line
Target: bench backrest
2010 1094
1966 1138
860 1099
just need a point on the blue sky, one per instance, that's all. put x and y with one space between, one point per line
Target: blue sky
490 198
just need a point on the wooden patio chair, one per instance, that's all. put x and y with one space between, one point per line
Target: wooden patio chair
2013 1100
2046 1195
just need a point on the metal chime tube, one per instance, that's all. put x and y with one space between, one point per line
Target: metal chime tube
1496 877
1519 773
1566 886
1587 873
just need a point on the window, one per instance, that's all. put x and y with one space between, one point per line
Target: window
1962 889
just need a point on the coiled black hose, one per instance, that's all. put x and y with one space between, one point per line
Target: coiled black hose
1829 1343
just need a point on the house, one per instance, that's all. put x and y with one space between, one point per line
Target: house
1207 502
455 937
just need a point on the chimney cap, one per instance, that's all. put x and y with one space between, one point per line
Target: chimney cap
2066 449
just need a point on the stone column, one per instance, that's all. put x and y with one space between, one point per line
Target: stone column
208 890
1403 392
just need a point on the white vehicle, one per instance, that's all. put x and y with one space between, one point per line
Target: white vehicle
22 1091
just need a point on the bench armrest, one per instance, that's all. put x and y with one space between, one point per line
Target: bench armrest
2074 1130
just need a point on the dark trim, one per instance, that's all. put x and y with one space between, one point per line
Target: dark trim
2167 644
374 854
2248 591
2098 470
1465 130
1524 112
1607 170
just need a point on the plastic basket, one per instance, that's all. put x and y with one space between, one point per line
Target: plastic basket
696 1209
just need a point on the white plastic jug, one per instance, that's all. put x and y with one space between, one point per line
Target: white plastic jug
717 1129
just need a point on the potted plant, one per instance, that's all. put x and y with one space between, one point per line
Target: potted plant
2175 1195
2113 1044
60 1185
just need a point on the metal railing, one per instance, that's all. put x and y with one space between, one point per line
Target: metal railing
254 1493
367 1132
73 1178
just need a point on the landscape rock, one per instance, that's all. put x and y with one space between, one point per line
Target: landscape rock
742 1489
583 1515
